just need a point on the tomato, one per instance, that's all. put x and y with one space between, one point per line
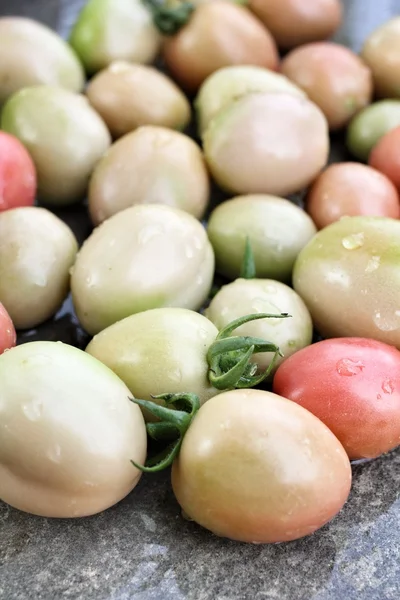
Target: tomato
246 296
267 143
353 386
107 30
8 337
64 135
147 256
179 343
152 165
68 430
127 96
385 156
370 125
230 83
351 189
17 174
32 54
37 250
349 278
381 51
217 34
255 467
297 22
276 228
333 77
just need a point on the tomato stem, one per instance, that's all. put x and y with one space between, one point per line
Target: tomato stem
173 425
229 357
248 270
169 19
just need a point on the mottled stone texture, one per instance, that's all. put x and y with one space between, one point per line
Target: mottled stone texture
143 550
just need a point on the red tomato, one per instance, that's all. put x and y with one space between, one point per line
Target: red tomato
17 174
8 337
353 386
385 156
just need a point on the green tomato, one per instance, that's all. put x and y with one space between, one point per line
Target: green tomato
277 230
369 125
147 256
109 30
63 134
37 250
349 278
230 83
68 432
246 296
177 340
33 54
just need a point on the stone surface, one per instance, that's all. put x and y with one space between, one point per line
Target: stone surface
143 550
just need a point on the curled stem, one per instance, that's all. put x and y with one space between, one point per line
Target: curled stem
172 426
229 357
169 19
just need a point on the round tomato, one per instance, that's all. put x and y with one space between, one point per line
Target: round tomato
385 156
353 386
351 189
17 174
8 337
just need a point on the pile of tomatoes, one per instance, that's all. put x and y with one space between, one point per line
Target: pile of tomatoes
217 376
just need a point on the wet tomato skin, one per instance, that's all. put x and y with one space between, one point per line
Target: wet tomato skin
385 156
353 386
8 337
17 174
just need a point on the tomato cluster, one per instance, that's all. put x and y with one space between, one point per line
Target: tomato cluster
201 332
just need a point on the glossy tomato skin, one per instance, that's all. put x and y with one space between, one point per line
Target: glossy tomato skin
217 35
351 189
385 156
17 174
297 22
353 386
255 467
333 77
8 337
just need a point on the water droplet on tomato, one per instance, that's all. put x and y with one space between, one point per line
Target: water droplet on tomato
388 386
348 367
353 241
149 232
176 375
387 321
54 454
373 264
33 409
189 252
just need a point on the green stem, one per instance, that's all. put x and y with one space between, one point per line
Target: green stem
169 20
248 270
229 358
173 425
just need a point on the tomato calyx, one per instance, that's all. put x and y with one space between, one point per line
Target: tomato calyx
229 357
169 19
171 428
248 268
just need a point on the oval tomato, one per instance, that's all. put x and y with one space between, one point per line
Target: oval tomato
8 337
254 467
17 174
353 386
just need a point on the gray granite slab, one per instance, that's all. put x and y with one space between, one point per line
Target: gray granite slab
143 550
